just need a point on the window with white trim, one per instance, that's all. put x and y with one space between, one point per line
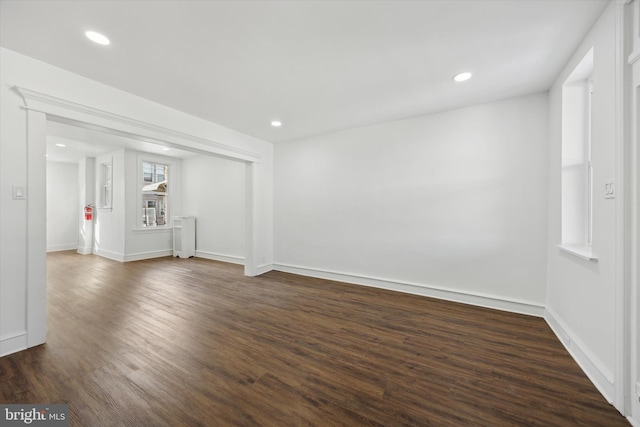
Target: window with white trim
106 185
155 194
577 163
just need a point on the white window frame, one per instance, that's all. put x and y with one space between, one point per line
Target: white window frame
577 161
106 185
589 157
172 169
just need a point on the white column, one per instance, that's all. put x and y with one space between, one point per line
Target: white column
634 258
36 229
250 257
86 178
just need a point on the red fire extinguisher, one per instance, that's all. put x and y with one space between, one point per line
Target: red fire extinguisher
88 213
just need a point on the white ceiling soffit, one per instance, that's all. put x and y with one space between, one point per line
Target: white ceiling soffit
316 66
68 143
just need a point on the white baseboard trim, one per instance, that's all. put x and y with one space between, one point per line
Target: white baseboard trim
13 343
85 251
111 255
62 247
265 268
487 301
220 257
134 257
634 422
148 255
599 375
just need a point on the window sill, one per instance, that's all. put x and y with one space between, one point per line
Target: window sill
583 252
157 229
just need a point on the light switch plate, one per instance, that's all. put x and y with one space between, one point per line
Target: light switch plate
19 193
609 189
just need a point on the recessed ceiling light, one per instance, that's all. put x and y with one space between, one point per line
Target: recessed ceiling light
97 38
462 77
165 148
60 145
276 124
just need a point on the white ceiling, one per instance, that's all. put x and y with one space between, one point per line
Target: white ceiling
318 66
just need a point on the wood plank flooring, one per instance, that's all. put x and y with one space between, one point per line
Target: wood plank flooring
189 342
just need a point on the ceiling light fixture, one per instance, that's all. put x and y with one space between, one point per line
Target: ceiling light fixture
97 38
462 77
276 124
165 148
60 145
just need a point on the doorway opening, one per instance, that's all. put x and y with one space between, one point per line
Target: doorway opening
105 172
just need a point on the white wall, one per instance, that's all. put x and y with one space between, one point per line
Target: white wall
22 247
581 293
62 206
13 215
214 192
117 232
453 201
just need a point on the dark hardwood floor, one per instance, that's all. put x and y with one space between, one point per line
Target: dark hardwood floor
193 342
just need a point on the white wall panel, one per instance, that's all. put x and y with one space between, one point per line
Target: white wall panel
214 192
453 201
63 214
581 293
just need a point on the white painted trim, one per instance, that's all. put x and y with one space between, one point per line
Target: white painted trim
147 255
232 259
595 370
633 258
115 256
62 247
250 206
13 343
36 301
265 268
622 328
85 251
582 252
34 100
158 229
465 297
110 254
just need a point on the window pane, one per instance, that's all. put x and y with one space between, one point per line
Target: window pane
160 173
154 194
147 172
